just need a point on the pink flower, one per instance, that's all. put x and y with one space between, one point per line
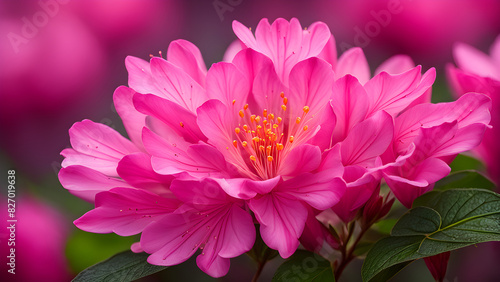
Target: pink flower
40 232
241 129
478 72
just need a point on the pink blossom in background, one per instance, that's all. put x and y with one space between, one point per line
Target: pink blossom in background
425 30
40 241
279 132
479 72
45 80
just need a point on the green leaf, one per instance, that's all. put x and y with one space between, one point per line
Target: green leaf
444 221
126 266
305 266
464 162
464 179
385 225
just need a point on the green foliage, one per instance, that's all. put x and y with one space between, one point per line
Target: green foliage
123 267
305 266
440 221
84 249
464 179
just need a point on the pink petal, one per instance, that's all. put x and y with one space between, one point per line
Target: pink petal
468 109
396 65
353 62
187 56
332 162
176 85
239 235
133 120
96 146
182 121
218 125
282 221
267 88
354 198
227 84
324 137
244 188
245 34
85 183
200 194
174 156
125 211
329 52
393 93
474 61
367 140
311 84
251 62
447 140
139 76
304 158
136 169
213 265
350 104
320 190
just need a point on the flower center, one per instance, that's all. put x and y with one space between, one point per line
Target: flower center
266 139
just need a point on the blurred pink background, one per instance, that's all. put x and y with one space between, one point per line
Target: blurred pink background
60 61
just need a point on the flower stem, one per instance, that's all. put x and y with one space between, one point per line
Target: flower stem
259 270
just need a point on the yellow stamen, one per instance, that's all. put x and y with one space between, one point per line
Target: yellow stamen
244 143
290 139
257 119
279 119
297 121
181 124
234 101
283 107
237 130
279 146
264 113
305 109
252 157
270 116
235 144
245 107
261 148
282 95
305 128
285 100
270 158
241 113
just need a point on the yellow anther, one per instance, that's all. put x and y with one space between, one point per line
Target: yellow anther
297 120
279 119
245 107
268 149
264 122
244 143
255 139
282 95
305 109
241 113
252 118
261 148
290 139
264 112
275 126
245 127
283 107
259 127
279 146
252 157
285 100
234 101
270 116
305 128
257 119
237 130
181 124
235 143
270 158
